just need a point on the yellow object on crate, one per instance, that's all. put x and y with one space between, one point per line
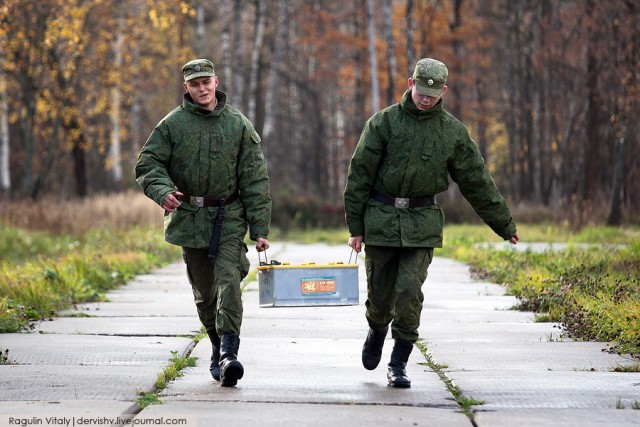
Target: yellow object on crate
311 284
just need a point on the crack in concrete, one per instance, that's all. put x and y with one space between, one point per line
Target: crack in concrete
464 403
337 403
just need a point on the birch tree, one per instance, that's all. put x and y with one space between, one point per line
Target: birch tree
411 44
254 77
225 37
5 176
136 103
391 51
276 65
236 69
115 161
373 60
201 40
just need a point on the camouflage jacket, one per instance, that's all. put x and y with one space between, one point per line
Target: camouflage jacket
406 152
207 153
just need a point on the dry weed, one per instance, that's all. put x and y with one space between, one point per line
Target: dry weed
117 212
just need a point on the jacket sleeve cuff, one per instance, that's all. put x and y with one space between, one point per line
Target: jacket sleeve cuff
254 233
507 232
356 230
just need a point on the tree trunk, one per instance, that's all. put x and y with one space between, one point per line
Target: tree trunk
28 125
254 77
274 70
5 176
358 59
592 142
411 47
513 99
79 164
136 104
373 60
545 91
200 39
615 207
225 38
115 160
391 51
454 102
48 160
236 69
179 77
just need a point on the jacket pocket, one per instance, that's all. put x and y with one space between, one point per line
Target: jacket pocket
422 226
215 146
219 163
381 223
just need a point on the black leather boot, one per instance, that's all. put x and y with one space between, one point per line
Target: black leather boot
214 368
397 374
230 369
372 349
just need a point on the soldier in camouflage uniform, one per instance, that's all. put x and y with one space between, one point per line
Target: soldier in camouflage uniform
204 165
404 157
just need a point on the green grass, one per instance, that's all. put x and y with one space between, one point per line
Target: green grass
18 246
148 398
593 292
169 373
174 370
4 357
41 273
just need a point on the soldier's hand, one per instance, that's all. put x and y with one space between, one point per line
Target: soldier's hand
172 201
514 239
356 243
262 244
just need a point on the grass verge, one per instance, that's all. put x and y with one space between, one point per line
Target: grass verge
593 292
41 278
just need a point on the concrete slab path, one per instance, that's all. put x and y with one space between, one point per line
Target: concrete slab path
302 364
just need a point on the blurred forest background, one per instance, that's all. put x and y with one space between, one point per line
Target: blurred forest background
548 89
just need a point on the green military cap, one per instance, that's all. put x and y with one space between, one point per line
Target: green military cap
197 68
430 75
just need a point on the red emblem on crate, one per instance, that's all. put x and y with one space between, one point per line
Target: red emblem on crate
318 286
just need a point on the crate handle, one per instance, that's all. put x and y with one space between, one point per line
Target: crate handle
350 255
266 261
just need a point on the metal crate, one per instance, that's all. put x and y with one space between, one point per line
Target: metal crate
308 285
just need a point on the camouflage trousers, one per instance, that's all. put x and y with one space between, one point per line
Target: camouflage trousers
394 288
216 287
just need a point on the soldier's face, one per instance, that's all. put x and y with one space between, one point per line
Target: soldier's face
424 102
203 91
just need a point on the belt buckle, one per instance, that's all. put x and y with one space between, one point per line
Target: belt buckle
401 202
196 201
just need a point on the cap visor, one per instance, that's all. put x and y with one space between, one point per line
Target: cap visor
428 91
201 74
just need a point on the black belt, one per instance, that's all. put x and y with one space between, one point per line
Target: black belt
404 202
209 202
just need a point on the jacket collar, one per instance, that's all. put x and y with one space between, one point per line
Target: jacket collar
192 107
407 105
